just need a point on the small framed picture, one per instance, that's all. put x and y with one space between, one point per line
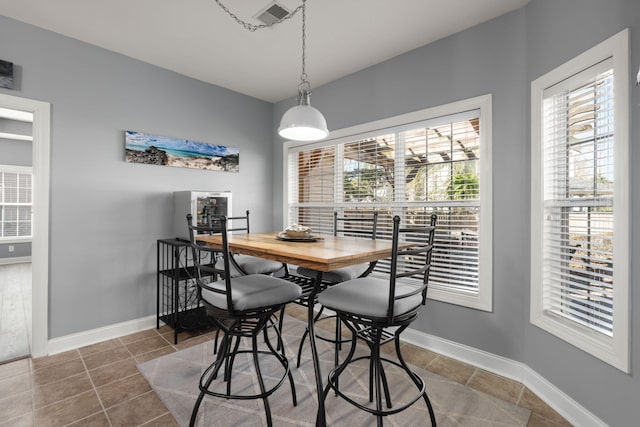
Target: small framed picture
6 74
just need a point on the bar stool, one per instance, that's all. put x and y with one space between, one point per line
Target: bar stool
377 310
241 307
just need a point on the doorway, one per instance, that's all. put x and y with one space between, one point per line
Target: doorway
40 217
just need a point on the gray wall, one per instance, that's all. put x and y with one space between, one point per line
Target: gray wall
579 25
106 215
502 57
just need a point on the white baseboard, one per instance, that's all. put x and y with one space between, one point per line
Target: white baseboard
517 371
93 336
15 260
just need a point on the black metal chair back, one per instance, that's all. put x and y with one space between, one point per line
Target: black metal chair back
204 257
358 226
414 262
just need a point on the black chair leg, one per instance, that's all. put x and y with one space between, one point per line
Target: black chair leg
280 345
265 399
416 380
229 368
215 367
285 363
385 386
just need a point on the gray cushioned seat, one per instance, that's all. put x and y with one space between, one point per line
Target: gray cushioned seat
253 291
338 275
368 296
252 265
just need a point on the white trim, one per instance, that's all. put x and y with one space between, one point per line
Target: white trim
571 410
15 260
15 136
40 243
614 351
93 336
11 240
16 168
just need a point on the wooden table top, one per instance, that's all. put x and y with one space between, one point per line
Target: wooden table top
326 254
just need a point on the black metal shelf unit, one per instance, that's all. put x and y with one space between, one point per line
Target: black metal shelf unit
177 293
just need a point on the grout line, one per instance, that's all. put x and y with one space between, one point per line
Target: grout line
95 390
146 423
520 395
466 384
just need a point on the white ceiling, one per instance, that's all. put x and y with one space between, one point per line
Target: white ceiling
198 39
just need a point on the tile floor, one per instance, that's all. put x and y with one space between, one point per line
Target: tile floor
15 311
99 385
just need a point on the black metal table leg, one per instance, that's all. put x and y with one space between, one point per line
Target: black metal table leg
321 416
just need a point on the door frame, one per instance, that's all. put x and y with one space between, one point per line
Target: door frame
41 151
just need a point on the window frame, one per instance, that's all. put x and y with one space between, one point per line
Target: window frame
18 170
613 350
483 298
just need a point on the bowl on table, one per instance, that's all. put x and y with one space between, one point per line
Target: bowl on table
298 231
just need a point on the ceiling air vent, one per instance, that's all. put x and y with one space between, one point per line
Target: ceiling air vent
272 13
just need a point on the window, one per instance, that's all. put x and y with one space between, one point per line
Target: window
580 186
15 202
431 161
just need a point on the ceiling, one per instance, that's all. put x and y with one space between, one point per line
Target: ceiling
198 39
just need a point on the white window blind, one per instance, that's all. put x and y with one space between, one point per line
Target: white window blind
410 169
15 203
580 201
578 123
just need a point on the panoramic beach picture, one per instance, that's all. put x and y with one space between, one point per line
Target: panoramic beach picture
183 153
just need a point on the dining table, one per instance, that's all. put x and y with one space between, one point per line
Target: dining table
320 253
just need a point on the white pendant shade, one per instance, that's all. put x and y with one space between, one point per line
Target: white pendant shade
303 123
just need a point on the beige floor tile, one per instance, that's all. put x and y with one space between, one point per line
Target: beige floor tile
14 368
101 346
417 356
137 411
530 401
57 372
164 329
495 385
25 420
451 369
154 354
537 420
15 384
106 357
192 341
47 394
147 345
122 390
69 410
15 405
138 336
95 420
113 372
182 336
42 362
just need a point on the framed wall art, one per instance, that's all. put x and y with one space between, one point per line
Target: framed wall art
184 153
6 74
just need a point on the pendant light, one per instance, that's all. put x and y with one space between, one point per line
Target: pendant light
303 122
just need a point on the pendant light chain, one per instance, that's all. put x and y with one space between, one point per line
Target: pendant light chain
303 76
302 122
252 27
